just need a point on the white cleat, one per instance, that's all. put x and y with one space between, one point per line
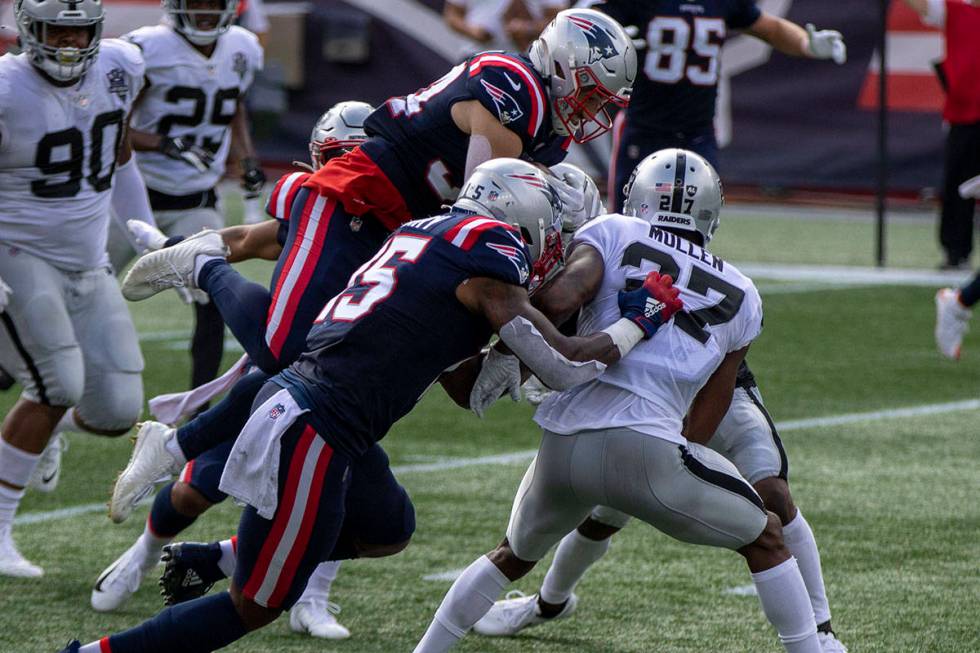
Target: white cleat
517 612
121 579
171 267
12 563
149 463
830 644
317 620
48 470
952 322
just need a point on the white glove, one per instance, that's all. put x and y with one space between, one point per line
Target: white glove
499 373
148 237
4 295
970 189
826 44
535 392
574 213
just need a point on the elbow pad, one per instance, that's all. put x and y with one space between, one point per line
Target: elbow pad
547 363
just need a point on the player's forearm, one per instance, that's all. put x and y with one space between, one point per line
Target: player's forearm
242 147
783 35
145 141
247 242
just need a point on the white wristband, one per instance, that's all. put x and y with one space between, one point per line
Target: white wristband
625 335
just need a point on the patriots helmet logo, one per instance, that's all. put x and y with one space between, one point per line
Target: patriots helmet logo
601 43
508 110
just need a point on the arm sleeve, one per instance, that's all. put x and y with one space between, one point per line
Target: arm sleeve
509 91
129 199
744 14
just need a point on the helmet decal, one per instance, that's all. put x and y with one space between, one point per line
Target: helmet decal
601 42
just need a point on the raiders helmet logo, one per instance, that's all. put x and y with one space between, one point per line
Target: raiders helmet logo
692 190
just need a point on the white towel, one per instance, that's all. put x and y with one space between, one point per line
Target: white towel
251 474
174 407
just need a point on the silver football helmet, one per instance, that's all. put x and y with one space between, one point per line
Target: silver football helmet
518 193
34 19
676 189
186 18
588 62
338 131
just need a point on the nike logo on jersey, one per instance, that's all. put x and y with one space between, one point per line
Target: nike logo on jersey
514 85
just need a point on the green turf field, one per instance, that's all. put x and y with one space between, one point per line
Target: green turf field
891 500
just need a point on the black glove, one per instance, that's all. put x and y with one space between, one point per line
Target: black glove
186 151
253 179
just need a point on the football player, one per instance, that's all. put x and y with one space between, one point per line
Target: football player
270 333
673 103
187 124
628 424
746 436
65 157
460 277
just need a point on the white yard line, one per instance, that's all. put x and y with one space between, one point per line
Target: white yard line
844 274
521 456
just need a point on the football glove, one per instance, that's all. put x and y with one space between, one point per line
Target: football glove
146 236
651 305
535 392
826 44
179 149
574 212
4 295
499 373
253 179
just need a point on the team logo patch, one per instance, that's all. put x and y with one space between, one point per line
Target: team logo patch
117 82
507 108
240 64
277 411
601 42
512 254
692 190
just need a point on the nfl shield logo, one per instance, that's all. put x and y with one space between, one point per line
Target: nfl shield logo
277 411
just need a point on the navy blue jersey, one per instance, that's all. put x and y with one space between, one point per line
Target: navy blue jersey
678 82
422 151
379 344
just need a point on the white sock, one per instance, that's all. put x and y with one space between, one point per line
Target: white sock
151 545
93 647
9 500
318 587
16 465
575 554
173 448
229 555
799 540
68 424
470 597
201 260
787 607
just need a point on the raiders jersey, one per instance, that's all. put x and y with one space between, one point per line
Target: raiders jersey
652 388
58 148
193 97
681 64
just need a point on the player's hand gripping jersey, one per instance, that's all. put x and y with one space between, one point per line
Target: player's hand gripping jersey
382 342
58 148
680 66
651 389
193 97
421 151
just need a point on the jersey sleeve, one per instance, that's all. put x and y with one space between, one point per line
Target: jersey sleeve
743 14
128 57
749 320
510 91
280 202
600 233
492 249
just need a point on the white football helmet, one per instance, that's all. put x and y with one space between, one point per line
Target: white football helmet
587 61
338 131
518 193
677 189
34 17
186 20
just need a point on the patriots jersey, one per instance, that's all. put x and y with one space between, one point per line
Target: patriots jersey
680 66
58 149
280 203
652 388
193 97
422 151
378 345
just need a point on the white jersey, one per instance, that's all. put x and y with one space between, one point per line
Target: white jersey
58 148
193 97
652 388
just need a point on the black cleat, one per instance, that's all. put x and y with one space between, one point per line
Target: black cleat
72 647
191 571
